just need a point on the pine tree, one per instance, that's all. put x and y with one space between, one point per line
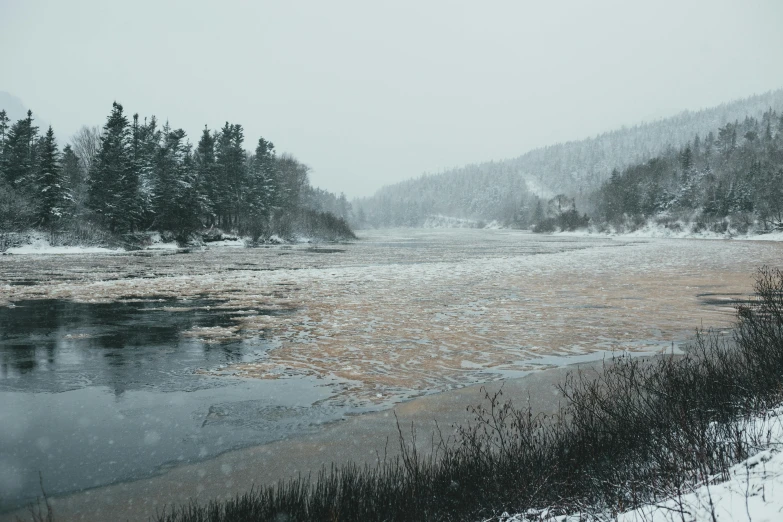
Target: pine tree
167 164
231 171
3 137
150 138
55 198
179 204
3 127
73 174
189 202
261 189
205 169
113 191
19 152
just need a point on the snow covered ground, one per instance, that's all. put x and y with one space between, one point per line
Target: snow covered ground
653 230
39 244
752 493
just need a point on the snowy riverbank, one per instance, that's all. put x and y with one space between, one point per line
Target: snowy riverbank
749 490
40 243
652 230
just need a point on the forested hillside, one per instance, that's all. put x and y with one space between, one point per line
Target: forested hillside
136 175
486 191
730 179
483 193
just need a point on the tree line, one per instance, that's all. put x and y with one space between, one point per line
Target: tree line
136 175
732 177
497 190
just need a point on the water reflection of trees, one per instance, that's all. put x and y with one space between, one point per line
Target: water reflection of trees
120 344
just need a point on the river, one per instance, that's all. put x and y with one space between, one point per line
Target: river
116 367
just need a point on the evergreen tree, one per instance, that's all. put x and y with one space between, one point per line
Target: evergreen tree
113 191
73 175
179 203
3 127
263 189
3 136
230 165
55 197
205 169
167 165
19 152
189 202
686 159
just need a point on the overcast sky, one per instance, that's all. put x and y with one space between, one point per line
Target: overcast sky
368 93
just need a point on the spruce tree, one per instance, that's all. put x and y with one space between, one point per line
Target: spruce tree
55 198
19 152
189 202
167 162
73 174
263 189
3 136
3 127
113 190
231 170
178 201
206 175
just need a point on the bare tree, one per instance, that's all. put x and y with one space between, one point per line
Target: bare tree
86 143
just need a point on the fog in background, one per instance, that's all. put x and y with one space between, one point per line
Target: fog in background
369 93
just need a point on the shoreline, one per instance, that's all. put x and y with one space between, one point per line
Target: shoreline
361 439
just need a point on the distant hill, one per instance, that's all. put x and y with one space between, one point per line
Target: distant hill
13 106
575 168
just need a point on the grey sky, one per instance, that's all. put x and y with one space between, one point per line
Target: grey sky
368 93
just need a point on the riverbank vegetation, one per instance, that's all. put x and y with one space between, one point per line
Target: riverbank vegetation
728 180
636 433
134 175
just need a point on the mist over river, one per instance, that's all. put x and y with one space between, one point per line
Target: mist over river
116 367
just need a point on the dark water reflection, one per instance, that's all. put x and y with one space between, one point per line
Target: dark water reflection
60 345
95 393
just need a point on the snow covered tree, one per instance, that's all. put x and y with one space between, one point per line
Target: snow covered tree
178 202
113 193
293 178
262 189
55 196
74 175
230 166
206 174
3 136
19 153
86 143
144 147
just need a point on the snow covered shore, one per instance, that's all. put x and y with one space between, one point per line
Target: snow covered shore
38 243
653 230
750 490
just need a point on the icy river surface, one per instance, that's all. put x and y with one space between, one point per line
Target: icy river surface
119 366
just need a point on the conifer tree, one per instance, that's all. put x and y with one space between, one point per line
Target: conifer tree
262 188
205 171
55 197
231 169
113 190
168 160
3 136
178 201
73 175
3 127
19 152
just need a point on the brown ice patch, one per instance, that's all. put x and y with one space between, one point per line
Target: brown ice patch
389 325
